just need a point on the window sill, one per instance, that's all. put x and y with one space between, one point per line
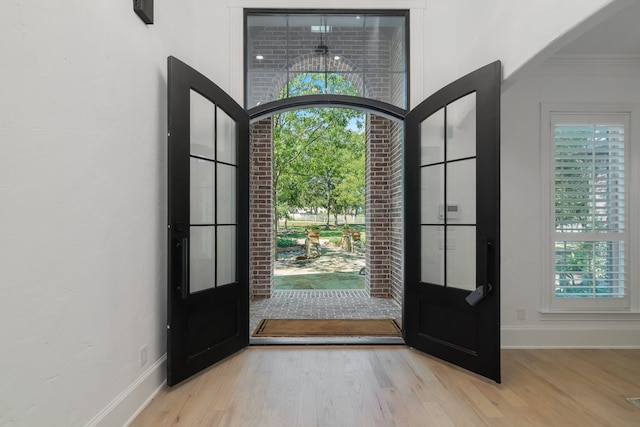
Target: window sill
627 315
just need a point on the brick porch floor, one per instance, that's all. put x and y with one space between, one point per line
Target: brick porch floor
322 304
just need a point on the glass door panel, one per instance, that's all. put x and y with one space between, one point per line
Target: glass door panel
226 143
226 194
202 255
461 257
202 126
432 139
432 194
212 196
432 254
461 128
461 192
226 269
202 185
448 195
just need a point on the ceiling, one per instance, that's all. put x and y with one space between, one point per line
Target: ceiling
618 35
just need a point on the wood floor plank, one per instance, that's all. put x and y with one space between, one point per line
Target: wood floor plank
397 386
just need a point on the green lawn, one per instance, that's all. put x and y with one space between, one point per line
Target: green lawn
319 281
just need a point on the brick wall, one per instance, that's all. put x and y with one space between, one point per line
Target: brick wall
372 59
396 136
261 242
378 207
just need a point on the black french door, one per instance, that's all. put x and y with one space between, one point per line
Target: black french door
452 230
208 279
451 305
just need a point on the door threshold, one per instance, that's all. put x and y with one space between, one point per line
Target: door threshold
326 341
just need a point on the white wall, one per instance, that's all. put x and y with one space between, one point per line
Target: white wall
461 36
83 179
83 201
585 81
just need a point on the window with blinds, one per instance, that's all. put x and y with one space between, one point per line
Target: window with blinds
590 233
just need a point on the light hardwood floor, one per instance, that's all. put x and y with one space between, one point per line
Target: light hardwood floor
399 386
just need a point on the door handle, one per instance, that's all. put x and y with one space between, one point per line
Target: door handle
184 276
485 288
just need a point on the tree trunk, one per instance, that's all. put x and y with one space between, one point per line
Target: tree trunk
328 211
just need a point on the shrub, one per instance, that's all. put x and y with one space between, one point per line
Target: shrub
284 242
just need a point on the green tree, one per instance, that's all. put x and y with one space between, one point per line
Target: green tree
351 191
316 150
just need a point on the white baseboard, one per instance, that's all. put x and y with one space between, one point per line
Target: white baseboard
573 337
128 404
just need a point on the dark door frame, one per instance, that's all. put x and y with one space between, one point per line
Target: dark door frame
384 109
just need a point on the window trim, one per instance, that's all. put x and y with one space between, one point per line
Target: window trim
553 308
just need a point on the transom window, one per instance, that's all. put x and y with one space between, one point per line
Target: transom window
368 49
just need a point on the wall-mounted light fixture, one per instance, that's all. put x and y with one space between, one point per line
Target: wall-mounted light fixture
144 9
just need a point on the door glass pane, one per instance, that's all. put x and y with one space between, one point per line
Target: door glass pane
461 192
202 254
226 144
432 254
432 139
226 255
201 187
226 194
202 125
431 194
461 128
461 257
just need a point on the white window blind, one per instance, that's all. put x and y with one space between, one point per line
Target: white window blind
590 235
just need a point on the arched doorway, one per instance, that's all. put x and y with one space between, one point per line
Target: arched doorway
384 193
384 221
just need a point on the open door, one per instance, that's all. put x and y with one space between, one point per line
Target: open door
208 279
452 200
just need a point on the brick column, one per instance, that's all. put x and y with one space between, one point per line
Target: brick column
395 178
396 211
261 244
378 206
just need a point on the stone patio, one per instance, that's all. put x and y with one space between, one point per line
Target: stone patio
322 304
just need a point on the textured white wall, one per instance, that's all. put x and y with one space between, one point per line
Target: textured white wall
582 82
463 35
83 197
